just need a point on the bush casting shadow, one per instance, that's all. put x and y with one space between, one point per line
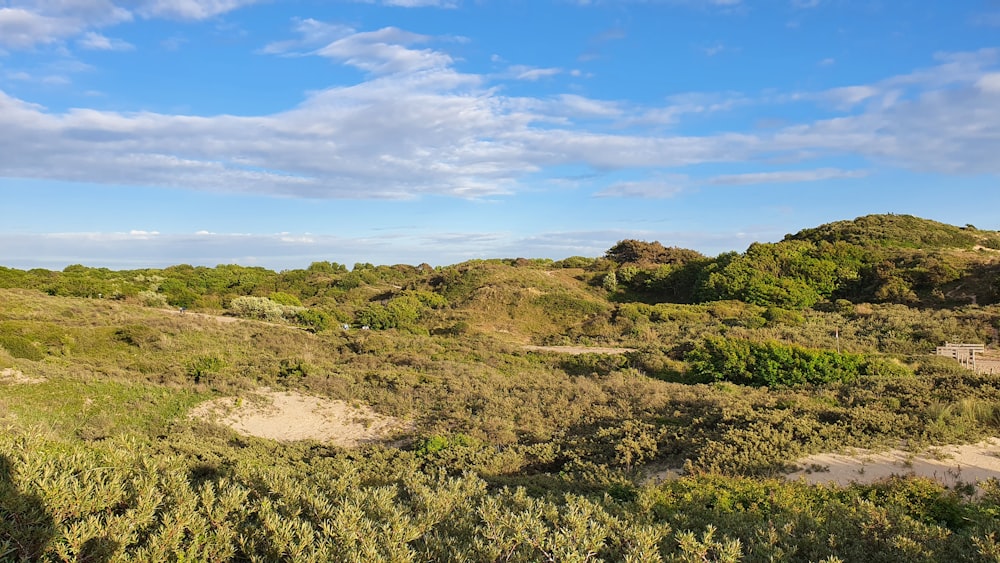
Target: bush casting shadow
25 526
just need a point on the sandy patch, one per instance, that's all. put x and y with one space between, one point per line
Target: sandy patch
189 314
16 377
288 415
949 465
577 350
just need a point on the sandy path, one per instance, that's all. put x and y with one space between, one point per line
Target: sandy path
288 415
217 318
949 465
577 350
16 377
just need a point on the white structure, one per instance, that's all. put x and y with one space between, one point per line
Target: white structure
964 353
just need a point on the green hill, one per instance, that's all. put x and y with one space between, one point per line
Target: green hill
899 231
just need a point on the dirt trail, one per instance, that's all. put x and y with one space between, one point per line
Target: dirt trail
289 415
577 350
217 318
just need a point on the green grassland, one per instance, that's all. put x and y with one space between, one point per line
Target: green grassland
739 365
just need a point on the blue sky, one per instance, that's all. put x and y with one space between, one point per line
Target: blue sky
156 132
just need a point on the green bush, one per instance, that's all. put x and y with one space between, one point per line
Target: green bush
283 298
774 364
20 347
262 308
204 367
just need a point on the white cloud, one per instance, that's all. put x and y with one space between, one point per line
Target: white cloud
96 41
850 95
385 51
714 49
312 34
26 24
21 28
30 25
989 83
787 176
579 106
522 72
189 9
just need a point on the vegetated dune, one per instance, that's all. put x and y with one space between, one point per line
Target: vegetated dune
288 416
949 465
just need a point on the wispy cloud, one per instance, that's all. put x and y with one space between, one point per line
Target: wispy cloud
385 51
312 34
414 3
31 23
522 72
787 176
189 9
649 189
38 23
97 42
142 249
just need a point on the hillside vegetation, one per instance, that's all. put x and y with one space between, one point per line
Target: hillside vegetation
737 366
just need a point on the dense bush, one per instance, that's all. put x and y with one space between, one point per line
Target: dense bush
263 308
776 364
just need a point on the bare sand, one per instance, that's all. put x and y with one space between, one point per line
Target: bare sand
16 377
289 416
949 465
577 350
216 318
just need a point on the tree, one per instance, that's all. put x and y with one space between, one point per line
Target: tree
632 251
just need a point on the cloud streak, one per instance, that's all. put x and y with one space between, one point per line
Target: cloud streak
144 249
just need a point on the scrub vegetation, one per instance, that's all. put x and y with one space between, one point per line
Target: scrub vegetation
736 366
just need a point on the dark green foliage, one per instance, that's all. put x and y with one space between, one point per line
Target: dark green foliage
791 275
892 231
580 262
638 252
21 347
293 368
398 312
140 336
283 298
774 364
314 320
204 367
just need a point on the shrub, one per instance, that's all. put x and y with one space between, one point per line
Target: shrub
21 347
263 309
776 364
283 298
152 299
204 367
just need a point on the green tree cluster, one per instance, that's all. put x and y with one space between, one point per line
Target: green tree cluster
774 364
